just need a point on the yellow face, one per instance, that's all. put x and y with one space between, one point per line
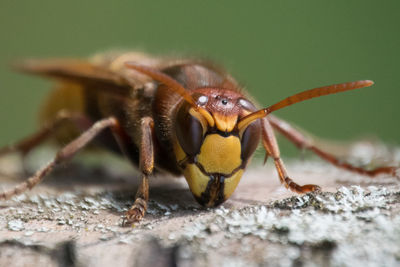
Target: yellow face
212 165
216 172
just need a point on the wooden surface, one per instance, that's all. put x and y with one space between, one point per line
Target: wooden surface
74 217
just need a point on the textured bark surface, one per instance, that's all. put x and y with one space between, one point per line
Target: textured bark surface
74 218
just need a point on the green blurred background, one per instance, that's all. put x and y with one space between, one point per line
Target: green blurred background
275 48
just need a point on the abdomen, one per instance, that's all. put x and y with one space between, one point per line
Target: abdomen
67 97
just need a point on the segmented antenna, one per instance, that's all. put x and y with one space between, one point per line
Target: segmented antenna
308 94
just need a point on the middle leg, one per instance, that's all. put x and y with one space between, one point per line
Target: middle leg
66 153
80 121
296 137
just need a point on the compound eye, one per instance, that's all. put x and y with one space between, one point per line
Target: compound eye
250 140
188 131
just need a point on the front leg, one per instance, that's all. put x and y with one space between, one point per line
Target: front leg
146 165
271 146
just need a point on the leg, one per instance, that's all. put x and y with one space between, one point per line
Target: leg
64 154
27 144
146 165
271 146
302 142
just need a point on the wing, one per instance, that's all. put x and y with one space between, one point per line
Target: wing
80 71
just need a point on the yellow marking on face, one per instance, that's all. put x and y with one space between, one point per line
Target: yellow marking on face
198 182
179 153
231 183
206 115
241 130
220 154
202 120
225 123
196 179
